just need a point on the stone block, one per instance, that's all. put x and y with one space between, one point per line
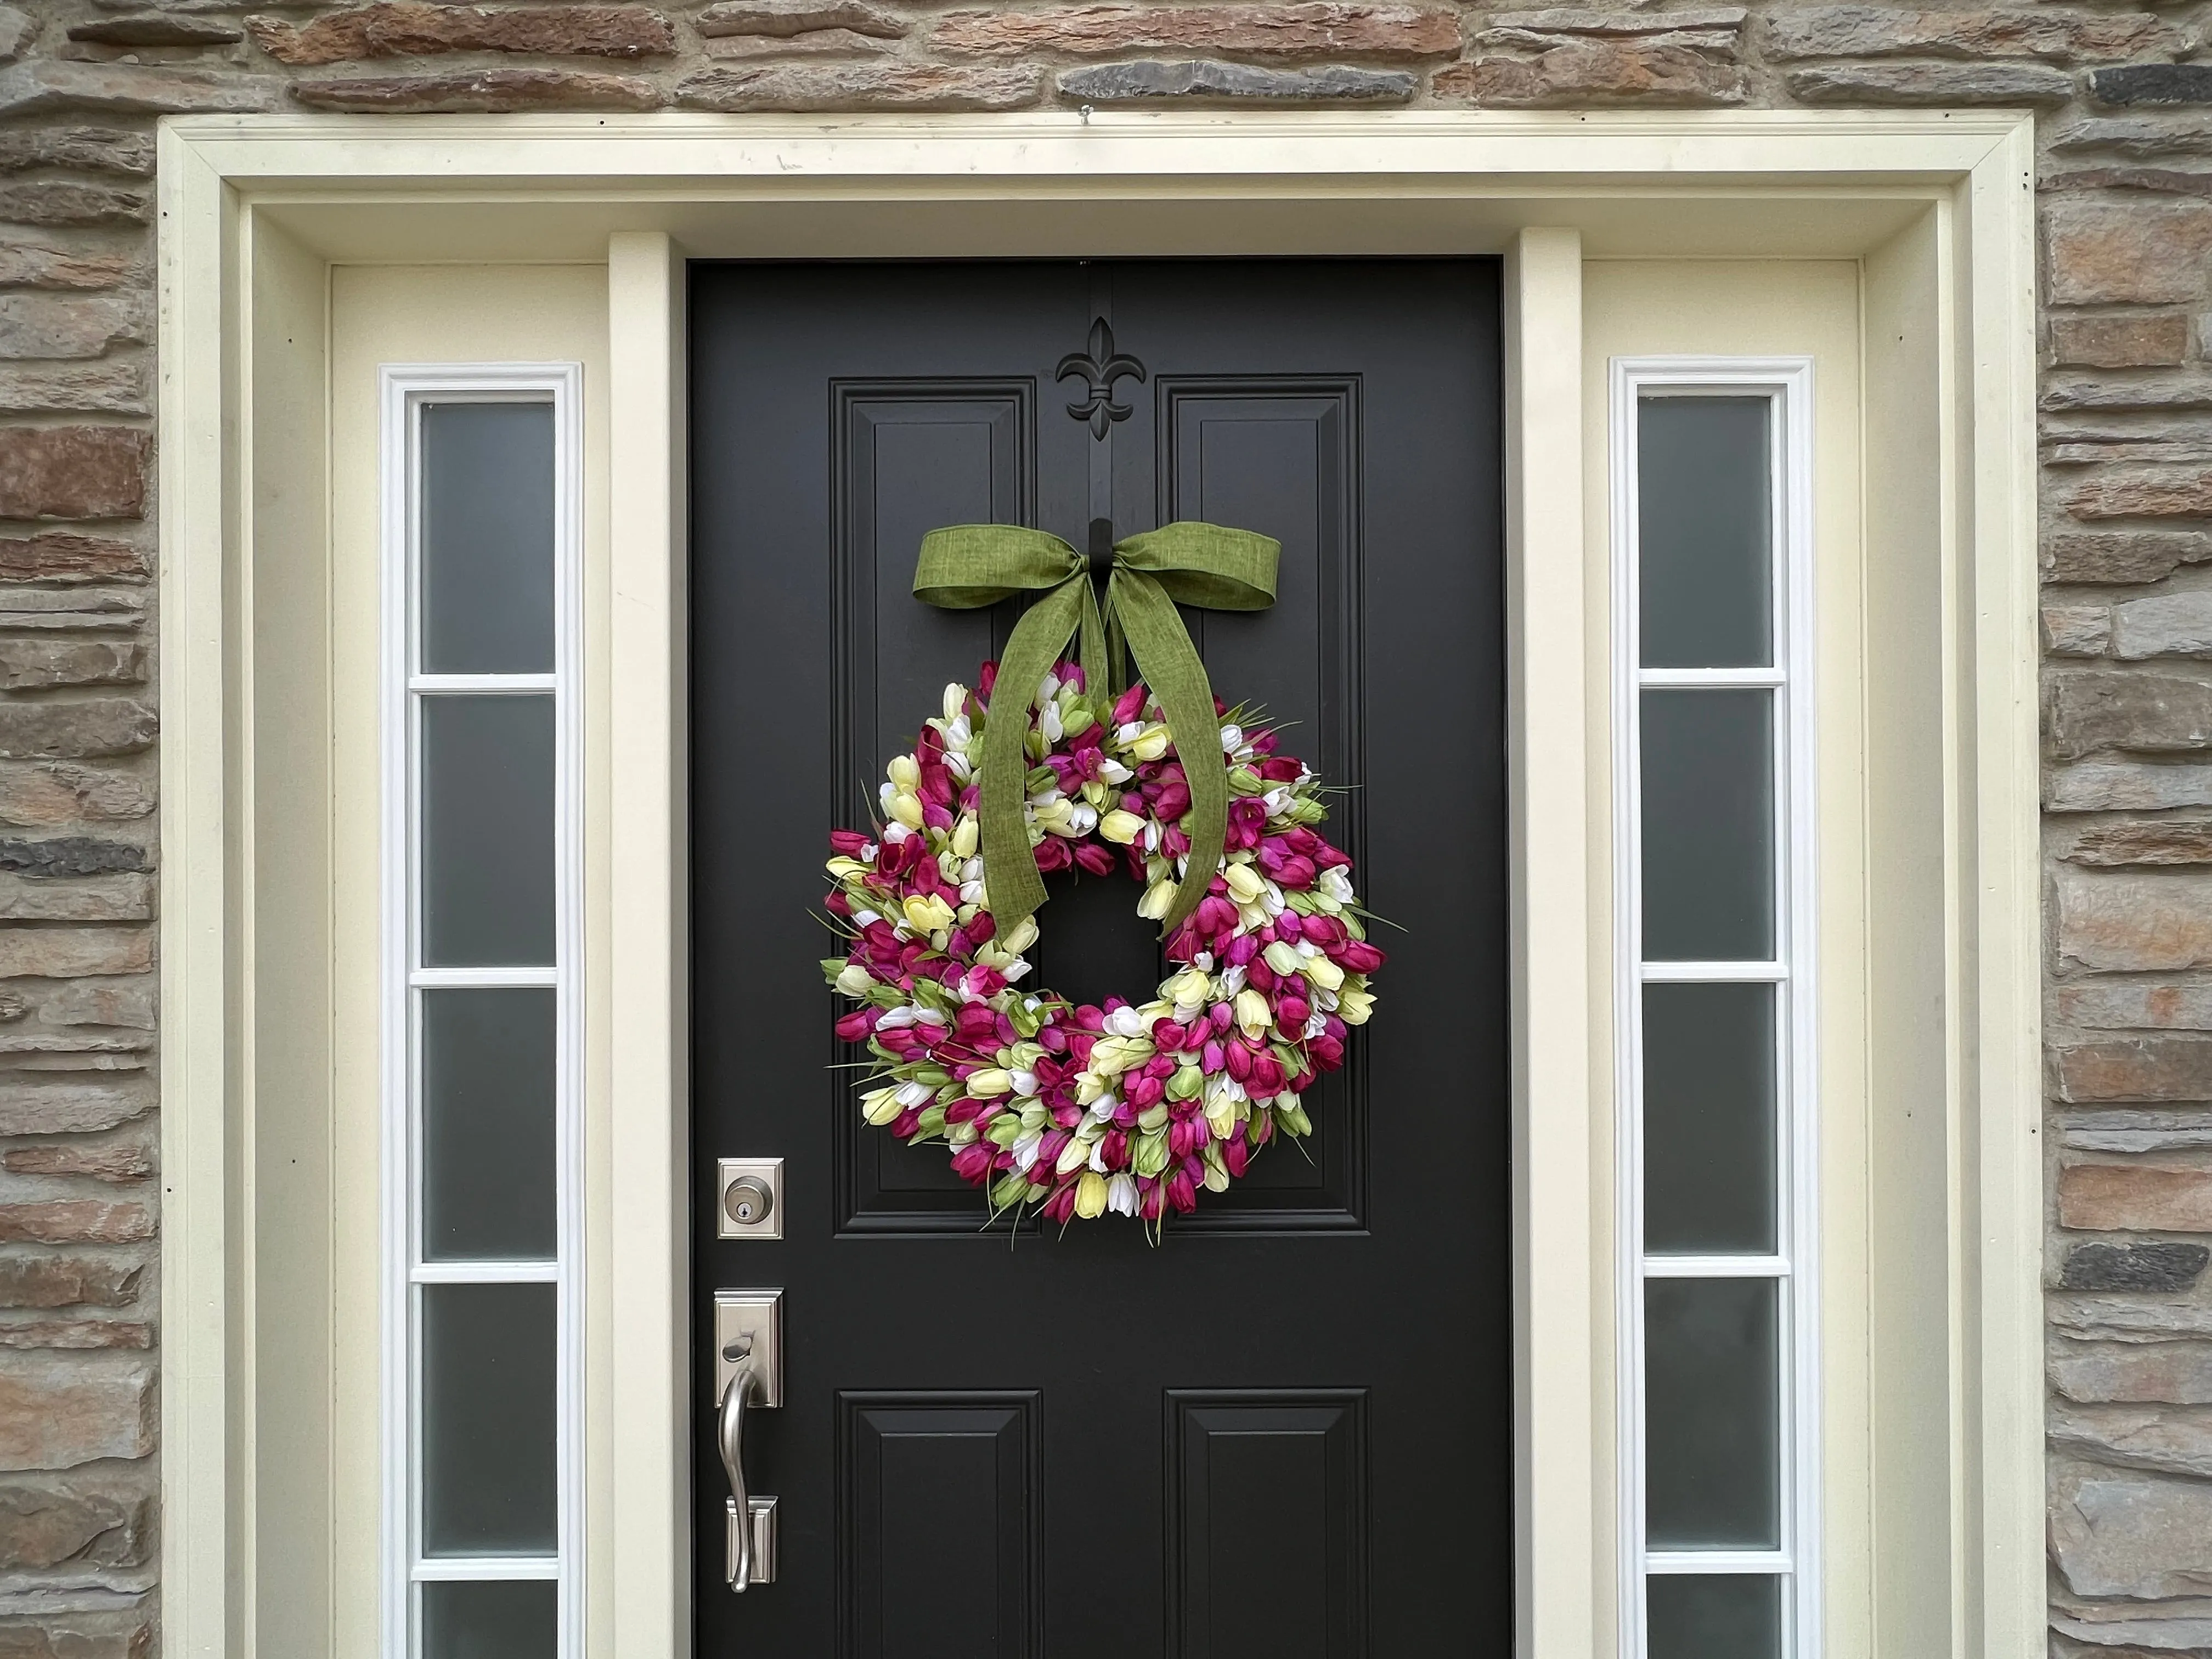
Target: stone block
2126 253
68 202
53 792
2120 786
1620 25
18 28
2061 36
2132 1005
1318 28
76 1221
57 1414
410 29
157 28
31 664
82 1523
80 608
101 898
2133 1373
84 149
111 1335
1203 79
61 556
2087 709
2185 393
74 731
2130 1068
2155 840
2155 1267
2152 83
120 88
822 43
2143 495
2139 922
74 1107
66 952
2166 1439
2121 556
70 855
1650 73
479 92
76 1635
45 1280
123 1161
35 265
2165 625
126 1002
809 87
122 388
2139 340
788 18
2135 1198
2138 1129
74 472
1935 84
2138 1538
2077 630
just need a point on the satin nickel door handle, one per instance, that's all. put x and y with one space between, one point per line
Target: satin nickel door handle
748 1366
730 1429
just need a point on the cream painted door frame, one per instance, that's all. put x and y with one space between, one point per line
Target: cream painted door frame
1935 209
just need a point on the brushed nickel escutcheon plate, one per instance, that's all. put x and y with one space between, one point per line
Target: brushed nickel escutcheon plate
749 1322
749 1197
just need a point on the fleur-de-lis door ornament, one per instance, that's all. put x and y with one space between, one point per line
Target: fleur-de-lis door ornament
1100 367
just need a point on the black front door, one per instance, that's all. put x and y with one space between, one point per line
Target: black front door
1284 1431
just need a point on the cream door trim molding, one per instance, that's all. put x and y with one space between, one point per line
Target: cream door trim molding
1937 207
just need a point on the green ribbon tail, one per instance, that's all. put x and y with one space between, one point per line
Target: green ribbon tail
1013 887
1171 669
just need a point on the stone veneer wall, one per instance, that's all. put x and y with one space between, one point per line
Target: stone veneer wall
2127 555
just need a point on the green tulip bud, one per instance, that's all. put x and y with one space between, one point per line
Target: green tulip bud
1293 1117
1187 1084
933 1121
1243 780
1151 1155
1009 1191
1152 1117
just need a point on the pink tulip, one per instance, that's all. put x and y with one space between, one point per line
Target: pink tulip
1236 1153
1129 704
847 843
1181 1193
1356 956
856 1025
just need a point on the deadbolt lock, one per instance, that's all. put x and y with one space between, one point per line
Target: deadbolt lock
750 1189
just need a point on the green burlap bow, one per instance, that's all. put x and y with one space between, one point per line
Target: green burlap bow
971 565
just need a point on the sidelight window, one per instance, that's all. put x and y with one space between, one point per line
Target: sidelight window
1714 1012
483 1188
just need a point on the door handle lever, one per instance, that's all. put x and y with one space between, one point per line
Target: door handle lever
731 1426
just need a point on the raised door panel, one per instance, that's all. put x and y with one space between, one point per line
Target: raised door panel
939 1526
1267 1525
909 456
1280 454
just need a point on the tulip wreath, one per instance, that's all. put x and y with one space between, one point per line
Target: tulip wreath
1074 1110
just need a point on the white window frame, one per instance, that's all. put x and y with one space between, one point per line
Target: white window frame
405 389
1786 382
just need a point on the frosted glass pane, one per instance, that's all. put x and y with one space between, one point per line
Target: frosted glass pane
487 605
1714 1615
1705 532
1709 1119
1708 825
487 1115
487 831
490 1621
1713 1416
487 1419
